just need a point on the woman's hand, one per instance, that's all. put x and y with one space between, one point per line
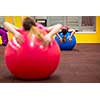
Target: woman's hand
19 39
70 39
72 34
47 40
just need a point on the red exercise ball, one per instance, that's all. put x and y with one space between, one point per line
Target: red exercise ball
31 60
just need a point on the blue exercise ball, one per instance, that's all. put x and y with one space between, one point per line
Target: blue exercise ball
66 44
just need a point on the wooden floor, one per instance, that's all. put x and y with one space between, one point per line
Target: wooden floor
81 65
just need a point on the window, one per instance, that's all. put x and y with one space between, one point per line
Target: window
1 20
82 23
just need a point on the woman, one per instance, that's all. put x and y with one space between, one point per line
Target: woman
31 27
66 29
4 36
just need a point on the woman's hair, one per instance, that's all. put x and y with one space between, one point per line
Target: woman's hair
30 25
28 22
65 30
38 32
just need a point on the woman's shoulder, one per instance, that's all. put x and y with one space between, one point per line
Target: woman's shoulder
21 30
42 27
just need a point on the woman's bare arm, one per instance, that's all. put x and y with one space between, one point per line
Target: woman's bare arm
11 28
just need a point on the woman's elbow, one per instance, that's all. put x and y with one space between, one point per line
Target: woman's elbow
5 24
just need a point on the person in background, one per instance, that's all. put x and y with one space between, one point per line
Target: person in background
4 36
66 29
